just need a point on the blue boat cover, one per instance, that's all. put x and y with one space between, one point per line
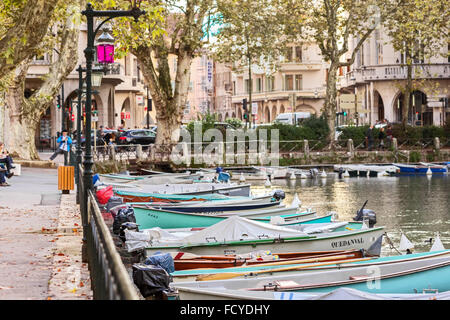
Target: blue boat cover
163 260
223 176
95 178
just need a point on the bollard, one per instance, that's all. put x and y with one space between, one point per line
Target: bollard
437 144
139 152
306 148
394 144
350 147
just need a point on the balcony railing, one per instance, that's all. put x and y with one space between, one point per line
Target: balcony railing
114 69
280 94
395 72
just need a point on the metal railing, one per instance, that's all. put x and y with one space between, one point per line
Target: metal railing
150 152
109 277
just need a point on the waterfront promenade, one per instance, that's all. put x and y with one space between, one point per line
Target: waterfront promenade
40 240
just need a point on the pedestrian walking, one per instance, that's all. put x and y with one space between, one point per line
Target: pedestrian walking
381 136
369 138
64 146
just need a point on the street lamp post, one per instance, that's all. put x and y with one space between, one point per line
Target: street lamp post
149 108
79 151
89 52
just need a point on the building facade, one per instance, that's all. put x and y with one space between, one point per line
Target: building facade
121 100
298 85
377 77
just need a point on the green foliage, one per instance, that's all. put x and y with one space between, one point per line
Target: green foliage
405 136
249 31
414 156
312 129
206 121
235 122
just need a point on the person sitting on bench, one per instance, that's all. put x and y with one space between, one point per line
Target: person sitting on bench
3 182
5 159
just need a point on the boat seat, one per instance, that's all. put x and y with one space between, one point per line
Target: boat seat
286 284
358 277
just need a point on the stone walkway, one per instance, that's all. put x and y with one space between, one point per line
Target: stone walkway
40 240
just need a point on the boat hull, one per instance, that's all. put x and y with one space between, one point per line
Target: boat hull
148 218
399 277
345 240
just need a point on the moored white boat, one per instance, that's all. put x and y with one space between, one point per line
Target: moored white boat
241 235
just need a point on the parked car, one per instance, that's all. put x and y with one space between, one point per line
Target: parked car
99 142
292 117
137 136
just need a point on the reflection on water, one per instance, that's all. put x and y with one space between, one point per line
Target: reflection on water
418 205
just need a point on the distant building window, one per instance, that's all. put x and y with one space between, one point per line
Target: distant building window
41 59
289 82
288 55
136 68
270 83
247 86
298 82
298 54
258 85
448 53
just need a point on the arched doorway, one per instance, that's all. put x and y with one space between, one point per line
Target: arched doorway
125 114
220 117
418 113
239 113
43 134
266 115
379 106
282 109
274 112
305 108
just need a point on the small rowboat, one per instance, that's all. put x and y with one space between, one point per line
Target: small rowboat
149 217
237 207
246 235
405 274
132 196
212 191
420 168
188 261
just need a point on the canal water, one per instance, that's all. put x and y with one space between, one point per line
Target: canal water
417 205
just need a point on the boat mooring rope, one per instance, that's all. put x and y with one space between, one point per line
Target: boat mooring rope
390 243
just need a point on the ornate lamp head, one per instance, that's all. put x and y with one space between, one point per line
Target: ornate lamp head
105 47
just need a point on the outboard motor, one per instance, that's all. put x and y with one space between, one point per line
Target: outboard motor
366 215
279 195
314 172
341 172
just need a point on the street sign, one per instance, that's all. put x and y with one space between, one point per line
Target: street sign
347 101
435 104
94 118
254 108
